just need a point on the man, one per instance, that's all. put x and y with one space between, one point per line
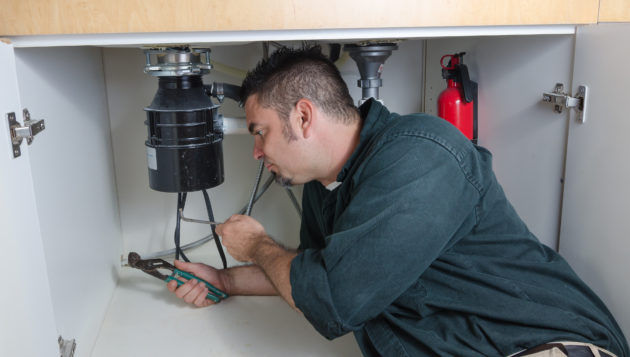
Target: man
407 239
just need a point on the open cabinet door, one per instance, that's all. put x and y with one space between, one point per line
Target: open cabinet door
28 326
595 227
73 179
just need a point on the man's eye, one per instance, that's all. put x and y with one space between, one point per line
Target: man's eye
259 132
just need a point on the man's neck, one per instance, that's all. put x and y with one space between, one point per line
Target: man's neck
345 139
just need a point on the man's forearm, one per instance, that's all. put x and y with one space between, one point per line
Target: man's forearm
275 262
248 280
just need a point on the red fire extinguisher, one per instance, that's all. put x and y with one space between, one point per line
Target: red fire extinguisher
458 102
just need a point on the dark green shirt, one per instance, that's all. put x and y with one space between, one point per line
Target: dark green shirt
418 252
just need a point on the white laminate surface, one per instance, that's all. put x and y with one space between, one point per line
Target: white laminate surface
145 319
231 37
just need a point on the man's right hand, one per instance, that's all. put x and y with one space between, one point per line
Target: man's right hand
193 291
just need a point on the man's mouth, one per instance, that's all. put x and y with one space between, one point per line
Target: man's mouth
283 181
268 166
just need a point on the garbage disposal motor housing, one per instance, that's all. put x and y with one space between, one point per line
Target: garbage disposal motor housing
185 131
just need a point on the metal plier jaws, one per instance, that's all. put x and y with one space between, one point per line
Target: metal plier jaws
151 266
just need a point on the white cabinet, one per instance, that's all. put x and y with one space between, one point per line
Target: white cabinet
84 186
73 180
595 232
28 326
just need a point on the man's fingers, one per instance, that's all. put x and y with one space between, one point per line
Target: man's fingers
197 269
195 292
219 229
201 299
182 265
184 289
171 286
192 291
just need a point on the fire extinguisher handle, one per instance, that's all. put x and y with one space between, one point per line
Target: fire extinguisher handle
469 87
450 65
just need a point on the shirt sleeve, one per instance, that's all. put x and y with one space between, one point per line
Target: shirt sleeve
408 202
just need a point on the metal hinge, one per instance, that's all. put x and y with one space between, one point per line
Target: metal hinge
563 100
67 347
19 133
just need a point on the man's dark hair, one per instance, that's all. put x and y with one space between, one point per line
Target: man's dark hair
292 74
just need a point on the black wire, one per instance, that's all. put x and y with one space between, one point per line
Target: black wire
177 223
250 205
262 190
212 227
181 202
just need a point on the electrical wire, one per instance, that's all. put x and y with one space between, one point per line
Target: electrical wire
209 237
181 202
250 205
212 228
263 189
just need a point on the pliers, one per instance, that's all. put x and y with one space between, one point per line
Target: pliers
151 266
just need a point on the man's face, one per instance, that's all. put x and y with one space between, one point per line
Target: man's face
275 142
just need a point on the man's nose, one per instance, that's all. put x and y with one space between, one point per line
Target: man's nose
258 153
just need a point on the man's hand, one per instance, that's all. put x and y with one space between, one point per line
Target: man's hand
194 292
241 236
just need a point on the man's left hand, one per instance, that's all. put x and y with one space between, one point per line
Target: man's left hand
241 236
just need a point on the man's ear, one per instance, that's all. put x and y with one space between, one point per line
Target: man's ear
306 114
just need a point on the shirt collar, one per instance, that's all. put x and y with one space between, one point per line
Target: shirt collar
374 116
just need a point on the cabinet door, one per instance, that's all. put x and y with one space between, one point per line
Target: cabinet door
28 326
595 227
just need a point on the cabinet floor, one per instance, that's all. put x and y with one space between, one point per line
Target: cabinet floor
145 319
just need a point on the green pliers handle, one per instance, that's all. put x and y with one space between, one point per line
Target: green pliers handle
214 293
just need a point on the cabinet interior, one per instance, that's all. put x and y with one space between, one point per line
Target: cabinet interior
90 171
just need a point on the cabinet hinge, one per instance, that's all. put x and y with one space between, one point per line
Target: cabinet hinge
67 347
561 100
19 132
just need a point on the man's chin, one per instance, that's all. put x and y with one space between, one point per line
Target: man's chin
282 181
